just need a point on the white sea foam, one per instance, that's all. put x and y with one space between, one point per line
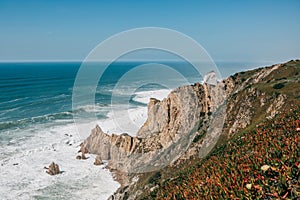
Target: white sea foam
145 96
91 108
23 177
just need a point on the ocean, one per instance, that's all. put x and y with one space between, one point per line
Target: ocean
37 123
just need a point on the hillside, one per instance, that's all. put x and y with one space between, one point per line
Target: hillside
261 163
240 137
257 155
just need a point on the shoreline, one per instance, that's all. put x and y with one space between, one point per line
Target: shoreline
109 128
57 141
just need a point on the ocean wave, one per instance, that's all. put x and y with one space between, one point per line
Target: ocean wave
4 112
39 119
13 100
32 102
100 110
95 108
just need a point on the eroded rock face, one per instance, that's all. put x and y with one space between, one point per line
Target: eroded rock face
175 114
107 146
168 131
275 106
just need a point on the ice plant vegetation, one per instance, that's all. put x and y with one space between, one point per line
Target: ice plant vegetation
263 163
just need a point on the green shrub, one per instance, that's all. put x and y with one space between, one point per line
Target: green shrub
155 177
196 138
278 86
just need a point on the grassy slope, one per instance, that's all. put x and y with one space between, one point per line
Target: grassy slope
233 165
288 76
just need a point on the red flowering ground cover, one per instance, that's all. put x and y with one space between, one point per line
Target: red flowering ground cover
263 163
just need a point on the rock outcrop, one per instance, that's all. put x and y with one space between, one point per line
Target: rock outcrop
169 130
53 169
98 161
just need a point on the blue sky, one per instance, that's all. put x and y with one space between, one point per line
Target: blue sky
256 30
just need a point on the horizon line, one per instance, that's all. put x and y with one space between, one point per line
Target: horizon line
137 60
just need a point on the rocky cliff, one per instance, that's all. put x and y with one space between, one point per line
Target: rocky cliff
171 122
193 119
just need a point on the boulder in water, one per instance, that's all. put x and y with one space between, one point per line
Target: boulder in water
53 169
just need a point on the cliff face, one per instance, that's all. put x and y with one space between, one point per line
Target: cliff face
171 122
189 122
